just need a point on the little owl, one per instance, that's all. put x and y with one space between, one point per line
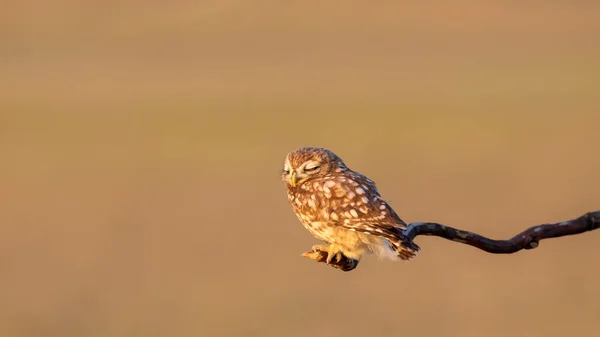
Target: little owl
343 208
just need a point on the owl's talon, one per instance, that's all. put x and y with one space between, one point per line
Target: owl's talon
334 256
329 258
333 253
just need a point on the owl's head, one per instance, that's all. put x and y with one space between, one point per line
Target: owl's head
307 163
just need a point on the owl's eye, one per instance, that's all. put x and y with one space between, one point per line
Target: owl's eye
286 171
311 168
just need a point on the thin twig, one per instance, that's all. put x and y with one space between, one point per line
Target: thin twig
528 239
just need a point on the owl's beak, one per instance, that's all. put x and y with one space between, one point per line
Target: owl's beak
294 178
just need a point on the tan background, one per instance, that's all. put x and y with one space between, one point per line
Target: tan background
141 145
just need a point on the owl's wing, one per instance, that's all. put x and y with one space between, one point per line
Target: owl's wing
368 213
364 210
383 222
386 224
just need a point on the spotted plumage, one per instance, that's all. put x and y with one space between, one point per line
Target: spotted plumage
343 208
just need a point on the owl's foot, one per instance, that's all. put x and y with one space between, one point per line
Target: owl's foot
320 248
333 252
338 260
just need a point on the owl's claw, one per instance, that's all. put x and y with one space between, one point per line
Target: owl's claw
337 256
332 252
318 254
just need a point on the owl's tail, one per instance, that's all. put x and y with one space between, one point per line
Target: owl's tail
404 248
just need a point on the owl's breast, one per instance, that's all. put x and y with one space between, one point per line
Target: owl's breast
301 204
308 207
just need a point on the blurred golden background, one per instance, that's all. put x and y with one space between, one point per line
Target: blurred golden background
142 144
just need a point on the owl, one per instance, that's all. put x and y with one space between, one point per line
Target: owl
343 208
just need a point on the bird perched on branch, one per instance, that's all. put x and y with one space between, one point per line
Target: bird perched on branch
343 208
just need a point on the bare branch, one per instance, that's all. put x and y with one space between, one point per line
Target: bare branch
528 239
